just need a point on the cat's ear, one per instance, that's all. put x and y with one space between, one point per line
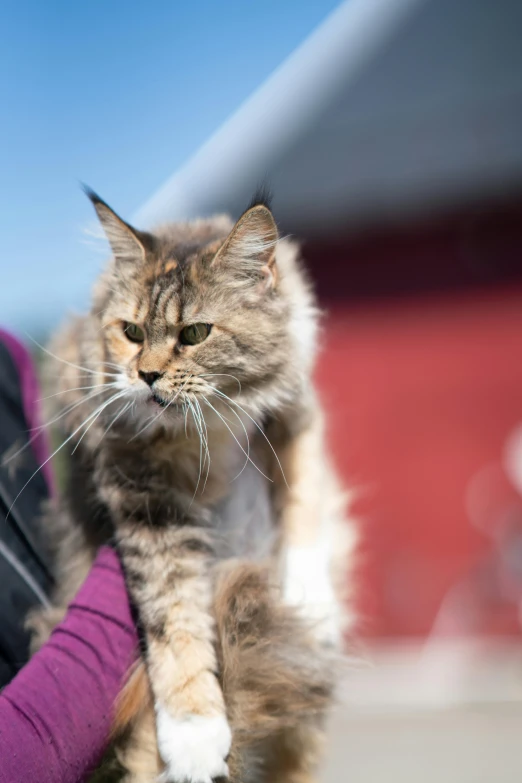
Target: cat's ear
249 250
126 242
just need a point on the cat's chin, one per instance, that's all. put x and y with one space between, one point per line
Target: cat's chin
165 410
149 415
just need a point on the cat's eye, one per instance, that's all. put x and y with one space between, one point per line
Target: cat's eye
134 333
195 333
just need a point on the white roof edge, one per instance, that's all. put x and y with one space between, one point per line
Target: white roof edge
273 115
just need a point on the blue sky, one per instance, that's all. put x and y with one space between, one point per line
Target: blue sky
118 95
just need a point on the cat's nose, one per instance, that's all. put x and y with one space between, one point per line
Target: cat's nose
149 377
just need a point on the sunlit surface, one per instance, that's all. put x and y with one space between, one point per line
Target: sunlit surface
391 139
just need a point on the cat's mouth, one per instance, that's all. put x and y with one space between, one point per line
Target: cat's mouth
157 399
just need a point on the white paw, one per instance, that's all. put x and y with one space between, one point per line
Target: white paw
194 748
308 587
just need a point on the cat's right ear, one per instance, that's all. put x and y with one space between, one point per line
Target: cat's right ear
126 242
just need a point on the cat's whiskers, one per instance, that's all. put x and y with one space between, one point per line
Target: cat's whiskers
247 438
150 421
79 388
99 411
221 375
123 410
185 411
204 453
37 431
229 375
89 418
71 364
71 406
203 420
224 419
236 439
105 363
192 410
226 397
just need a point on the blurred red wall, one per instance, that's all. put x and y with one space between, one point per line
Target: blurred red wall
423 392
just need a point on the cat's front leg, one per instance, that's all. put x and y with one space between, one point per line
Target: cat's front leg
168 575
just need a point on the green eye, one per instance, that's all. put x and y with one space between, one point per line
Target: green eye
133 332
195 333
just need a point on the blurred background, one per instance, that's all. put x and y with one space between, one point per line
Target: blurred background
390 132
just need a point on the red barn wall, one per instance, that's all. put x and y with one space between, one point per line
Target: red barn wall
423 391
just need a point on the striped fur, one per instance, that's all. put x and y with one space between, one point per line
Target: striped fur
206 465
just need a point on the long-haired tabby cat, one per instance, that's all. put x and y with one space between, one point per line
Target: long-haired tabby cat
198 449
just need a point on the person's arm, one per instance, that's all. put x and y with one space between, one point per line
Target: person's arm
55 716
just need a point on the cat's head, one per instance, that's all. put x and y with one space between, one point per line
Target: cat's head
204 309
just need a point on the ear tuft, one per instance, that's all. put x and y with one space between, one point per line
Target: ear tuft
126 242
261 197
89 192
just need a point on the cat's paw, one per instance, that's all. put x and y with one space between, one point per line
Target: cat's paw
193 747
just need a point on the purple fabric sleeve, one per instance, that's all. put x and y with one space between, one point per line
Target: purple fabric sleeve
55 716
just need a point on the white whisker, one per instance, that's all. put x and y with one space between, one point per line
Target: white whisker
68 409
247 438
221 375
99 411
224 396
55 452
64 361
185 410
191 408
115 419
237 441
207 449
203 438
37 431
112 384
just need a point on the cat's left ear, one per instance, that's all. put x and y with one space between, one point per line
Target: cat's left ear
250 249
126 242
